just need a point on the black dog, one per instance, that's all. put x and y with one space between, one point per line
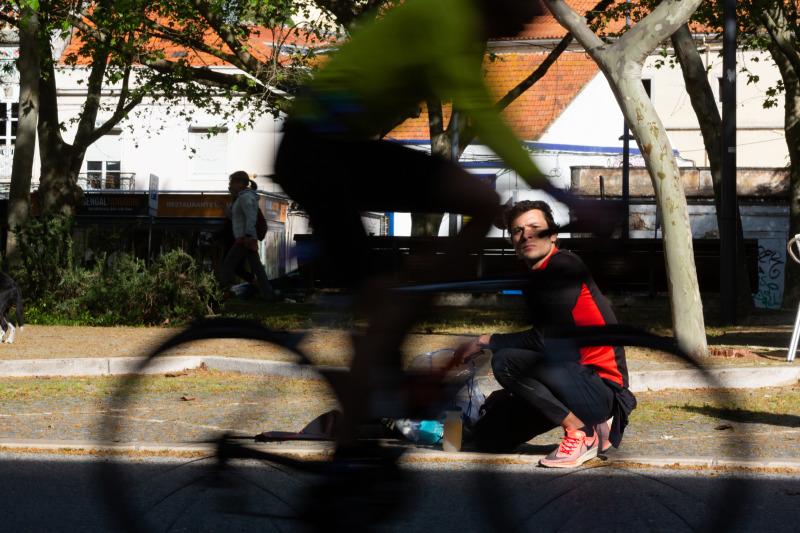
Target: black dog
10 294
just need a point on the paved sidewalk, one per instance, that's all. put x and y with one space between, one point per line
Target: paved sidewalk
641 381
697 441
162 422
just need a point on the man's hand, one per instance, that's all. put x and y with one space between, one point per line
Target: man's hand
471 348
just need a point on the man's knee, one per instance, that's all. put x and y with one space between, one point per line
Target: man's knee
502 366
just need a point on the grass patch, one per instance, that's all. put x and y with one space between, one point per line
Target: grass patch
439 320
771 405
197 383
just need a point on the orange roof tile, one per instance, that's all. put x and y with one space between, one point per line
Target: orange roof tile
261 43
533 111
546 27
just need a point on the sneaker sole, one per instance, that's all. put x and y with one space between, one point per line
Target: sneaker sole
587 455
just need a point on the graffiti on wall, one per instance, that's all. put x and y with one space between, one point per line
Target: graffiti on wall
634 160
771 263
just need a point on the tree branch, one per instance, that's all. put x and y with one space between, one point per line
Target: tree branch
639 41
163 32
577 26
116 118
775 22
243 59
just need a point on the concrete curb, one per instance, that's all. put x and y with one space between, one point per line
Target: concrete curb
114 366
728 378
734 378
412 454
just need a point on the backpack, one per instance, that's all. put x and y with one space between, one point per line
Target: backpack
261 225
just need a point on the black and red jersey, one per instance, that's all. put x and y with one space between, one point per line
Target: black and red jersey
562 293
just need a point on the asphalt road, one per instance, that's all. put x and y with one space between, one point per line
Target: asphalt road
55 493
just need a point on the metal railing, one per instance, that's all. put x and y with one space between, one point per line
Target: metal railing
95 181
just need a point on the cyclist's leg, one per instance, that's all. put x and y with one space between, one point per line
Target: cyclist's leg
419 183
344 178
412 181
321 174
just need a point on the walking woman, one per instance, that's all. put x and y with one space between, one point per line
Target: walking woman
244 213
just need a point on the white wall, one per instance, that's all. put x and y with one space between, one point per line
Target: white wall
592 119
155 142
760 138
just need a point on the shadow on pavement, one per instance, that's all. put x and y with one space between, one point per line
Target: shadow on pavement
739 415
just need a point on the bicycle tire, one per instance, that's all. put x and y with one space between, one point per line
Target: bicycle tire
265 491
574 498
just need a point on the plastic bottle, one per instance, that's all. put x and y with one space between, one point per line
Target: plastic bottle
451 437
409 428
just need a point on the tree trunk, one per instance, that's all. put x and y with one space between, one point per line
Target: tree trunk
621 63
58 190
19 197
428 224
705 107
650 135
791 83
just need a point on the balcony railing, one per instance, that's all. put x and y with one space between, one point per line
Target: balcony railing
95 181
115 182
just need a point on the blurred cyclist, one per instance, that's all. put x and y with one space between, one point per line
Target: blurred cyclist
333 163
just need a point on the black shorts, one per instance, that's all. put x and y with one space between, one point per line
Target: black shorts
329 174
335 179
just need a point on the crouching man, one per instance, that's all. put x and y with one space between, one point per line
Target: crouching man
548 382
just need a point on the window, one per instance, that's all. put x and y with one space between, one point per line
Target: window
104 163
210 157
103 174
9 115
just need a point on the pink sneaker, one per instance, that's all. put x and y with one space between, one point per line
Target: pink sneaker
603 430
575 449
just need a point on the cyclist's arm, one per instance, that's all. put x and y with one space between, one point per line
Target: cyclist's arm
460 77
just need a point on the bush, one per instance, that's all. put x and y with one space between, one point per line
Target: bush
123 291
173 289
46 256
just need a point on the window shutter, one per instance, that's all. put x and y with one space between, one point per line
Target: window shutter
210 157
106 148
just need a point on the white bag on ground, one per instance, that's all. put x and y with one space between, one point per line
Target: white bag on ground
470 398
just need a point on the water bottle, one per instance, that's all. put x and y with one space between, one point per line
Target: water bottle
451 437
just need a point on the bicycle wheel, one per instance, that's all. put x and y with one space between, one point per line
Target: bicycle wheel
215 478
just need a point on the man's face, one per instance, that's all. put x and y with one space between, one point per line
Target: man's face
525 230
